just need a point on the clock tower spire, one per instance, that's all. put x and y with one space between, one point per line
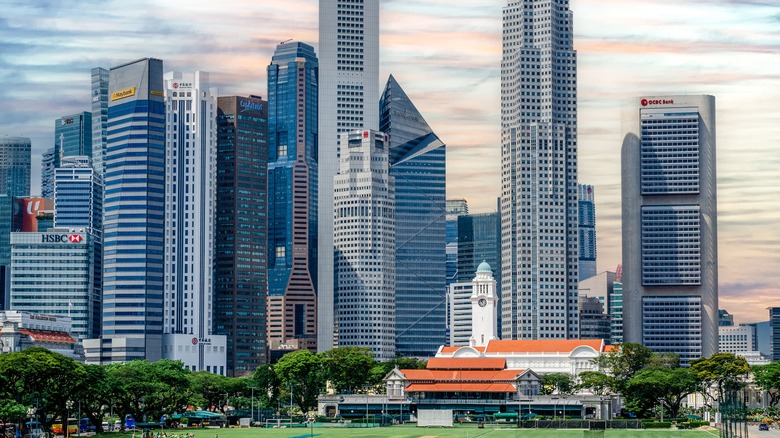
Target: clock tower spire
484 307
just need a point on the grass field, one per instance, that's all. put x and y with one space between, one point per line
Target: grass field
420 432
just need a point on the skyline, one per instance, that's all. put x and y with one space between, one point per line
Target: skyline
725 48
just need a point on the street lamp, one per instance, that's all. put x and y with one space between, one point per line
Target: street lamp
68 406
31 414
291 403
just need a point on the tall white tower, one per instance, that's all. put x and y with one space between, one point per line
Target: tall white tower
670 224
348 100
484 307
539 243
190 196
364 240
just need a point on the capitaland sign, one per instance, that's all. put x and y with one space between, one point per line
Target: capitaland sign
646 102
249 105
121 94
61 238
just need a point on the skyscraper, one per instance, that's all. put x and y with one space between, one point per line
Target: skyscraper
47 174
99 82
670 241
50 273
190 196
455 208
417 163
774 333
479 240
292 200
241 283
364 240
587 231
539 254
78 206
15 160
134 221
72 136
348 89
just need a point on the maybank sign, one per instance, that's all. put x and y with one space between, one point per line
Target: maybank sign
121 94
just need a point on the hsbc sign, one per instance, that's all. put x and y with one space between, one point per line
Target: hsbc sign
61 238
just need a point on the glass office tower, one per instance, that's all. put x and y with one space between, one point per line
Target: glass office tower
241 220
134 214
72 136
292 197
15 161
417 160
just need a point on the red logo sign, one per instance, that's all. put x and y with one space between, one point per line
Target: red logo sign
194 341
175 85
646 102
75 238
365 134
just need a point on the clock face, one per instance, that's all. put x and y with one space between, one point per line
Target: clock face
482 302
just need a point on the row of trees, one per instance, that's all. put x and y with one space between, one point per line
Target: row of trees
38 378
647 380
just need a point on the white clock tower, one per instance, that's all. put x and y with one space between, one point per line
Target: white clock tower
484 307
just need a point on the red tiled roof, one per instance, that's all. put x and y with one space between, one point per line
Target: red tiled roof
460 375
460 387
543 346
611 348
42 336
471 363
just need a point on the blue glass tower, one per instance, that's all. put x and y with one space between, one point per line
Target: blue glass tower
417 158
587 231
292 195
72 136
134 210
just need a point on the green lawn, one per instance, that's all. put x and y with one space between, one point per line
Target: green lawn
420 432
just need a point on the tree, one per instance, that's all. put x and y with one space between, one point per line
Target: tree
560 383
768 378
668 385
348 368
267 386
722 370
150 390
208 389
597 382
301 373
622 363
11 411
100 390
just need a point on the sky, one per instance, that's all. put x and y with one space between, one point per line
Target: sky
446 55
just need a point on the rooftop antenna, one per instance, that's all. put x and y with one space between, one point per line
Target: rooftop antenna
286 41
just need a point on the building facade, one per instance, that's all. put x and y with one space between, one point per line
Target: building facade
190 198
15 161
348 89
241 239
539 241
594 322
417 160
292 196
616 312
50 273
459 313
22 330
586 227
455 208
134 219
670 250
364 241
47 174
78 206
774 334
72 136
99 82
